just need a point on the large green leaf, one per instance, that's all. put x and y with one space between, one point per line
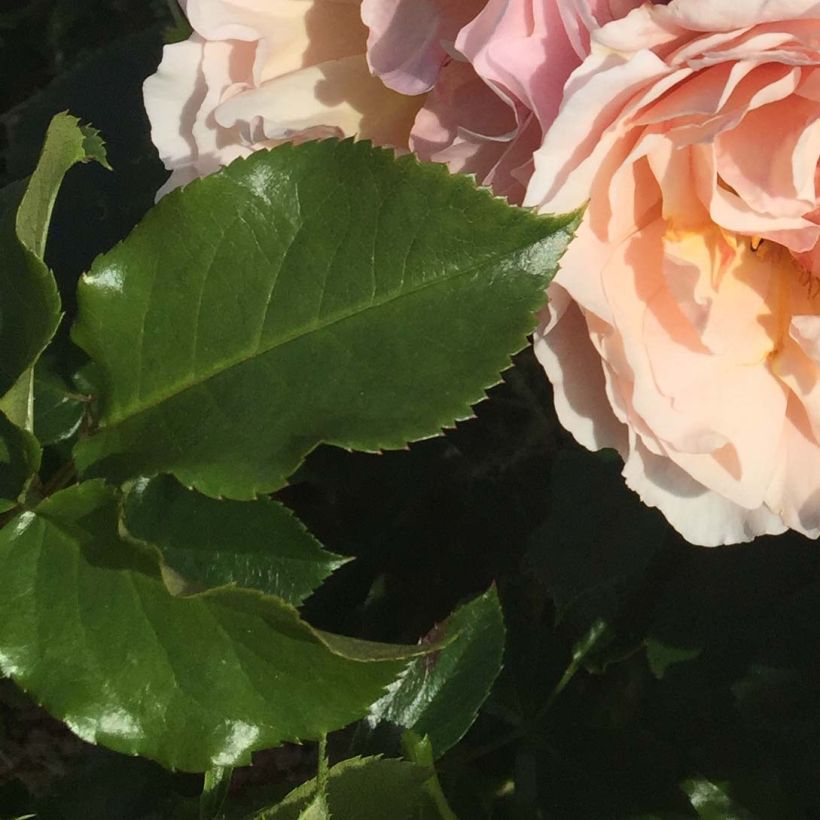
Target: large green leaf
439 695
319 293
87 626
257 544
29 301
364 788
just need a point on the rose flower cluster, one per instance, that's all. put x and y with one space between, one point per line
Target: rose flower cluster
683 328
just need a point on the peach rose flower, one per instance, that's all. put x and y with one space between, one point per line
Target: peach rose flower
256 73
684 325
486 74
499 82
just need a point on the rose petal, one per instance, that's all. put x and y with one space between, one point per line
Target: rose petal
340 94
702 516
572 364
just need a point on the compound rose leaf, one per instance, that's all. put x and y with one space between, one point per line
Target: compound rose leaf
88 627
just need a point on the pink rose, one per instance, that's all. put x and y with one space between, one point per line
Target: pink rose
259 72
411 40
684 325
488 73
501 83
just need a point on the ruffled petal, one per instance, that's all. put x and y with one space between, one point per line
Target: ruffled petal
563 347
340 94
702 516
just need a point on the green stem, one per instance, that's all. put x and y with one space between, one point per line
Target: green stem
419 750
433 787
322 774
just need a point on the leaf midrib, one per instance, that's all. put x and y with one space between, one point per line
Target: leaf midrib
303 332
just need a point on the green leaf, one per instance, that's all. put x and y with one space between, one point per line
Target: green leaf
19 461
95 209
29 300
319 293
661 656
101 784
257 544
711 800
88 627
58 408
439 695
365 788
18 403
180 29
94 146
317 809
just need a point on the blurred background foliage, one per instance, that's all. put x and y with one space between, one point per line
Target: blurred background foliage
643 678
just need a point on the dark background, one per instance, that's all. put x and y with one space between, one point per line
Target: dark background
698 696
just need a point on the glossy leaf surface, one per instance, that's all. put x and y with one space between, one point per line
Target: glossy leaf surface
88 627
439 695
58 407
256 544
29 300
319 293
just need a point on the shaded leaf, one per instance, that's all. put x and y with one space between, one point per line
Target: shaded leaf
96 209
19 461
712 802
257 544
102 784
58 408
320 293
439 695
365 788
661 656
88 627
594 550
28 293
18 404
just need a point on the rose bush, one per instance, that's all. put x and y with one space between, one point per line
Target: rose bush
683 328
